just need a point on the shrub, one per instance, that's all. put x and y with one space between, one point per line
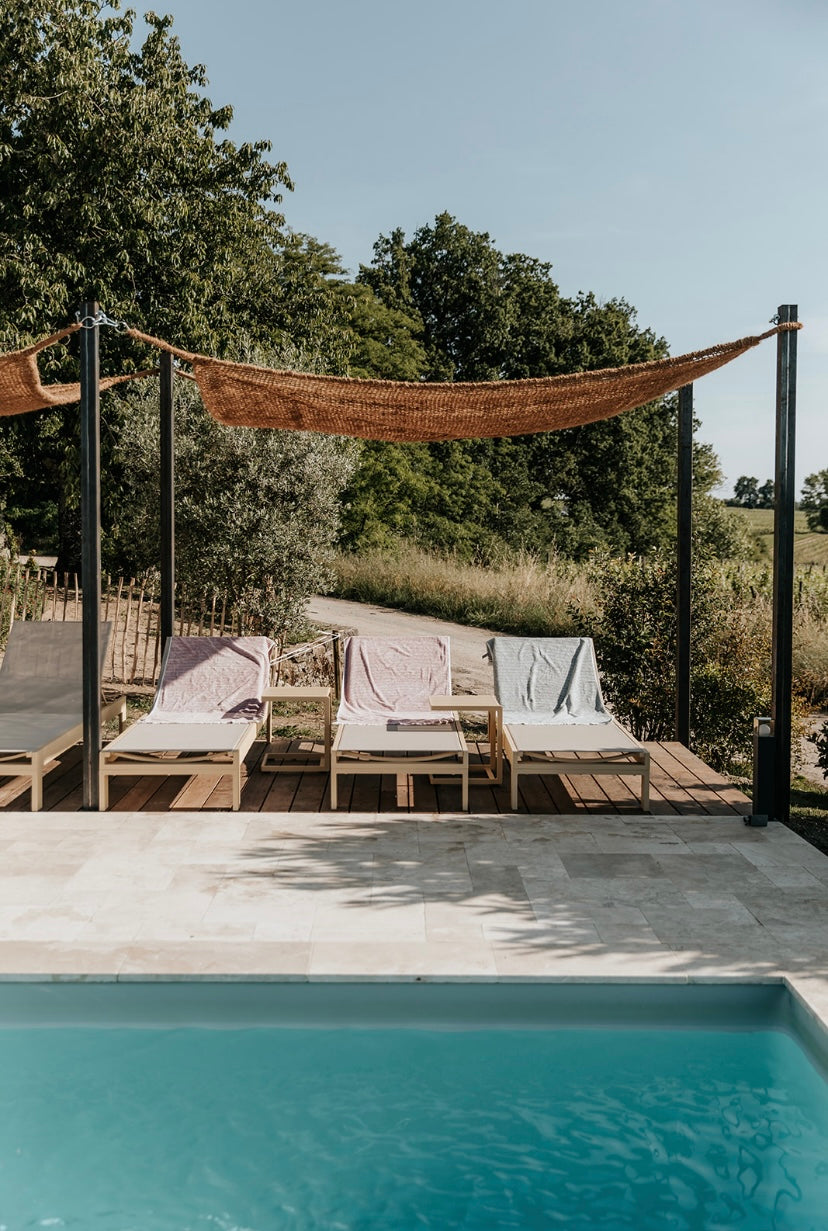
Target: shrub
256 510
820 740
635 633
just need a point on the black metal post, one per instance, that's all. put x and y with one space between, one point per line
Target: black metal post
90 465
783 561
167 499
685 562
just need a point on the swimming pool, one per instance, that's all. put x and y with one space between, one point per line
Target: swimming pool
269 1106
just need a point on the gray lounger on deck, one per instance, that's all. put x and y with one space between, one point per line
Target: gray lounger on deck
207 713
385 721
41 697
554 717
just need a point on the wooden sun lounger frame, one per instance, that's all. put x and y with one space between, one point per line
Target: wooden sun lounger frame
448 764
163 763
634 761
33 764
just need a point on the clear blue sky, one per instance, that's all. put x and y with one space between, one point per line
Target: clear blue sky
670 152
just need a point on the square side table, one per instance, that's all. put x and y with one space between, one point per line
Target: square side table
295 762
481 703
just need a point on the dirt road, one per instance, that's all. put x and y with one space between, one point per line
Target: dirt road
471 671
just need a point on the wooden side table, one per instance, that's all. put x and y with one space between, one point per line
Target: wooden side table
288 761
481 703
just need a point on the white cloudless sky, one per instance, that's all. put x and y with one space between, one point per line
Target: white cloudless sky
668 152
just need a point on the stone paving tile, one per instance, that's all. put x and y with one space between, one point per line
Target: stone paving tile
446 959
626 934
290 959
607 867
419 897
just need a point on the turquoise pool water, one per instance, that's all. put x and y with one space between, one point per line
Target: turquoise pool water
441 1124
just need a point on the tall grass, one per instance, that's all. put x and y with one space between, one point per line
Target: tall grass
524 595
519 594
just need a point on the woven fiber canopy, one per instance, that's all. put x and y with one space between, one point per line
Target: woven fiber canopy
245 395
20 387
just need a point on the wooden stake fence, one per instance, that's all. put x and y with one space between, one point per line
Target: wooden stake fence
133 606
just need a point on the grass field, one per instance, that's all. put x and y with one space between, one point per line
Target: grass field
809 548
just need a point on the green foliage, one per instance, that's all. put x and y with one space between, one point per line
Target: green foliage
820 740
386 341
636 637
487 316
117 182
814 501
719 533
256 511
747 494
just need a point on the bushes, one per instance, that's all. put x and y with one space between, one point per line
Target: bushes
636 638
256 510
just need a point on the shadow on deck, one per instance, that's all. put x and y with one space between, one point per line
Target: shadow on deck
680 784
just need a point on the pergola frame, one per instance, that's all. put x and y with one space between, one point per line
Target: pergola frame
783 559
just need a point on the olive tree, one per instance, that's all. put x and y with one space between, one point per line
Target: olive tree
257 511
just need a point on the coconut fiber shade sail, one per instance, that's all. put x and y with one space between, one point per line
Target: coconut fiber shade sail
245 395
20 386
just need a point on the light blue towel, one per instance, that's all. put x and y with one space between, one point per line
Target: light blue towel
541 680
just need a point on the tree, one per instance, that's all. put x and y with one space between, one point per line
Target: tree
746 492
766 495
116 182
487 316
814 500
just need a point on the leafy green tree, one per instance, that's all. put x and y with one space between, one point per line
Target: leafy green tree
766 495
814 500
746 492
490 316
117 182
385 342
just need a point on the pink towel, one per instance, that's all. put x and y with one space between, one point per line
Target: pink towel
388 680
213 679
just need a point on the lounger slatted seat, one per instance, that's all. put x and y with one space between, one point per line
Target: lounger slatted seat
206 715
554 717
41 697
385 721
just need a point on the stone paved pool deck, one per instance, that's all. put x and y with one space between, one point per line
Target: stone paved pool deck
411 897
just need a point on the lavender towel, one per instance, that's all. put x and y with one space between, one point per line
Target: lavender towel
540 680
389 680
213 679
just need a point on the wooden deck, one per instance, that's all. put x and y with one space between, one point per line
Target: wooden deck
680 784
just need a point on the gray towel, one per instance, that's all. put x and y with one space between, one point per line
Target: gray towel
42 671
541 680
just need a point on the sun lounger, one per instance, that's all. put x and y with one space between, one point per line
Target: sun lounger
41 697
385 721
207 713
554 717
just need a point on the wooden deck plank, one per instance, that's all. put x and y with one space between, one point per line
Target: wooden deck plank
310 792
705 799
682 784
698 772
